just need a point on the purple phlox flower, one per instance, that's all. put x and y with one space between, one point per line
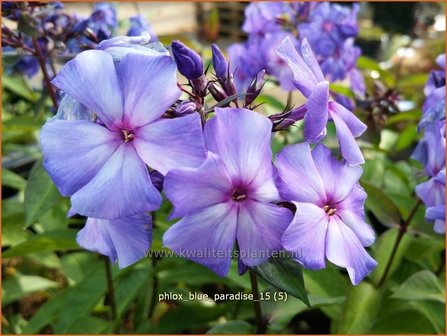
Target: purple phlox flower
329 221
245 62
430 151
328 26
273 63
229 197
125 240
262 17
309 79
26 65
103 21
101 161
434 106
138 25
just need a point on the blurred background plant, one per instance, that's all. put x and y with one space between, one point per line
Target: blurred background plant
50 285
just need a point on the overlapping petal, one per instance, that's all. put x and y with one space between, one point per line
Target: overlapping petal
242 140
125 240
338 178
171 143
121 188
149 87
260 227
300 180
344 249
348 146
316 117
91 79
306 235
192 189
206 236
75 151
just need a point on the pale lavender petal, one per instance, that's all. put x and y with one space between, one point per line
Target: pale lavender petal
348 146
355 126
440 60
344 249
91 79
206 236
439 226
74 152
125 240
260 227
352 213
121 188
431 192
299 178
149 87
303 77
311 61
306 235
242 140
316 117
171 143
338 177
192 189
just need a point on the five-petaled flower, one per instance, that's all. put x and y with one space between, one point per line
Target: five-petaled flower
309 79
101 163
229 197
329 221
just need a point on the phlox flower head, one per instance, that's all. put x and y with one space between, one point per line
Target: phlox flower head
430 151
107 132
329 221
309 80
434 106
230 197
139 25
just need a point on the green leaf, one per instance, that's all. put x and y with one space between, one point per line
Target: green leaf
423 285
408 321
232 328
342 90
40 194
381 205
361 308
70 304
406 138
16 287
271 101
89 325
50 241
285 274
19 86
382 249
12 180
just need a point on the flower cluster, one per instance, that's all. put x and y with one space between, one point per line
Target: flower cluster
58 33
329 28
430 151
110 146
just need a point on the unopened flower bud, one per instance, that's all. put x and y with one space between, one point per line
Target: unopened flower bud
217 92
184 108
285 119
255 87
220 64
189 63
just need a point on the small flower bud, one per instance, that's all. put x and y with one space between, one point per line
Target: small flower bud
157 180
220 64
285 119
255 87
184 108
217 92
189 63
